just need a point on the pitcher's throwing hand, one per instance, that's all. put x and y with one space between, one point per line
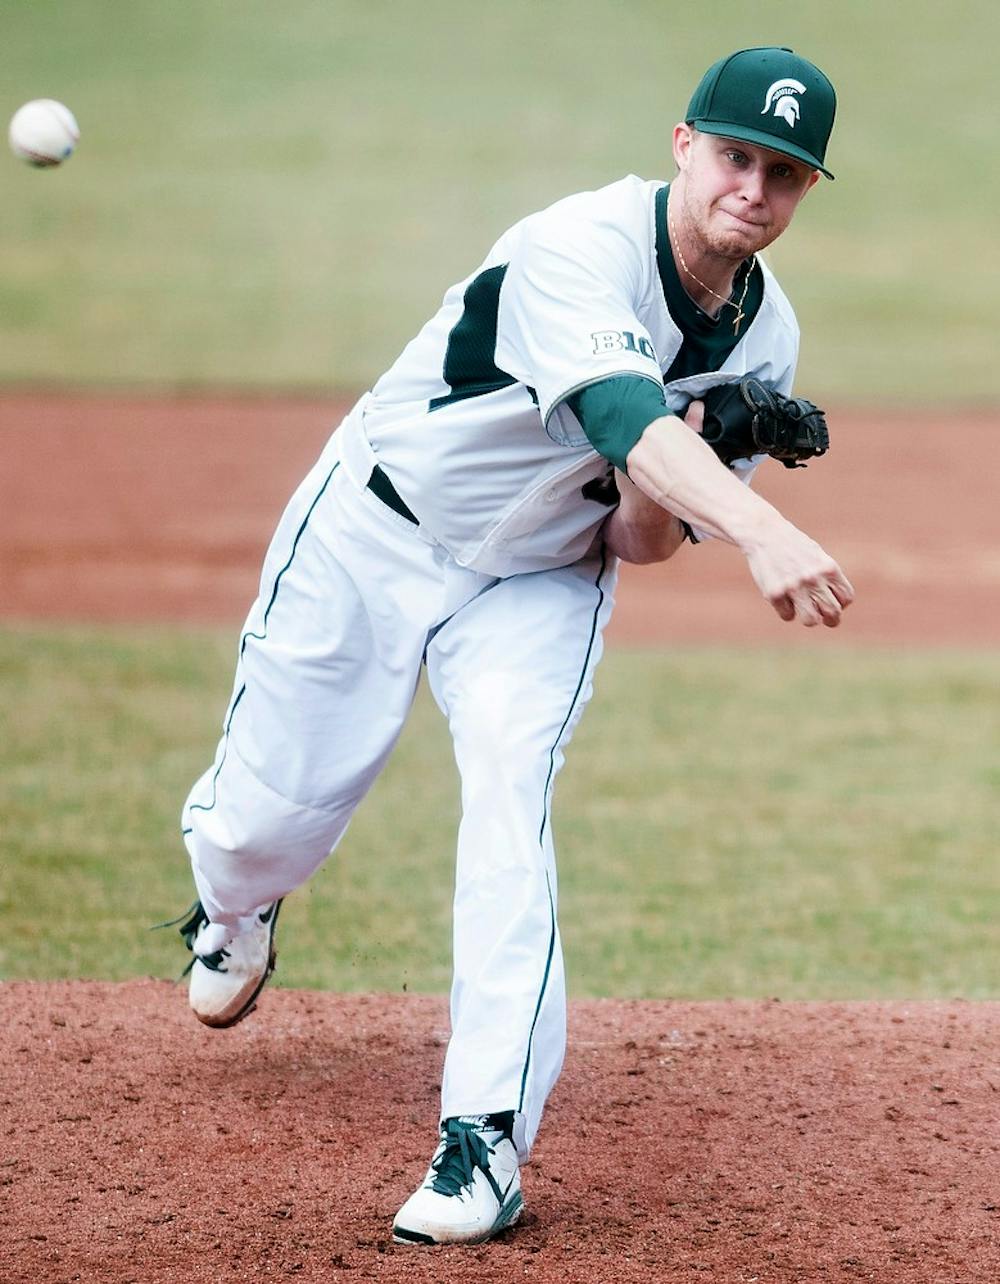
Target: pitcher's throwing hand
800 580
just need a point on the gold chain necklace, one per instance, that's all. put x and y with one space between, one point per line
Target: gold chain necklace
740 314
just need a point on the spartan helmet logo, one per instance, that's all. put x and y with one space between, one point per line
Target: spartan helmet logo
786 105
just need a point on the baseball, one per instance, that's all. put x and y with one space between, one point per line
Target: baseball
43 133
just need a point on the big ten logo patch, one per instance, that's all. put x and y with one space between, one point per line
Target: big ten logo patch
622 341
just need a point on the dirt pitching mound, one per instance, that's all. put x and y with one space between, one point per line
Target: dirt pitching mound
734 1142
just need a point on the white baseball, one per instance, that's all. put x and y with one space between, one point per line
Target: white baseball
43 133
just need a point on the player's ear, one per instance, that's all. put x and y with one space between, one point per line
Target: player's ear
813 179
682 141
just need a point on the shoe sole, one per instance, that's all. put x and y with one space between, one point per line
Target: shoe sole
507 1216
250 1003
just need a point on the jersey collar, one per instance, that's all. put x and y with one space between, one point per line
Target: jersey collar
686 314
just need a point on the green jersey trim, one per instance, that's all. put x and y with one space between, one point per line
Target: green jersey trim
470 368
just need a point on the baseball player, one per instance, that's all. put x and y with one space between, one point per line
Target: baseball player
459 521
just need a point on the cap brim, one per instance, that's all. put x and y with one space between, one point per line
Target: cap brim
760 139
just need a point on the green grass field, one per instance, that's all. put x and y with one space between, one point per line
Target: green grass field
278 195
746 824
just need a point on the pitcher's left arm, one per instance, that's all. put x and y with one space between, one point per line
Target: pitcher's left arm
640 530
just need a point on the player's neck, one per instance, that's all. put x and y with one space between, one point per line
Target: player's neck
707 278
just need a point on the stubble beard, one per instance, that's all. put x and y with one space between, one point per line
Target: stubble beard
732 246
729 247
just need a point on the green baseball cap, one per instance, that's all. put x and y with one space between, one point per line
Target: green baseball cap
768 96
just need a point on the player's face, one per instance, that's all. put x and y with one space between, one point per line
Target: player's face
736 198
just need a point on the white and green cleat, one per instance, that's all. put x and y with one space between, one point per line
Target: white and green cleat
472 1190
229 969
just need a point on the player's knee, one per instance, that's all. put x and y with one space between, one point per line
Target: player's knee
254 827
502 739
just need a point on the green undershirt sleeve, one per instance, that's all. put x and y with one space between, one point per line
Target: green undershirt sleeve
615 412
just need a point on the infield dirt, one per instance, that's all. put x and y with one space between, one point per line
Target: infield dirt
715 1141
137 508
746 1143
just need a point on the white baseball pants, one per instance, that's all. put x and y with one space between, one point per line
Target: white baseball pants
353 600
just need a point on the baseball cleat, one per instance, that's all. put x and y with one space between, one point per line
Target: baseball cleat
229 969
472 1189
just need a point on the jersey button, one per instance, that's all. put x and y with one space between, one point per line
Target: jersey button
551 496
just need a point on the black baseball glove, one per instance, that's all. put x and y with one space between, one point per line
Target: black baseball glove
749 418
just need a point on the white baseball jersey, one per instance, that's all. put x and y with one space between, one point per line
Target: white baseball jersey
471 423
